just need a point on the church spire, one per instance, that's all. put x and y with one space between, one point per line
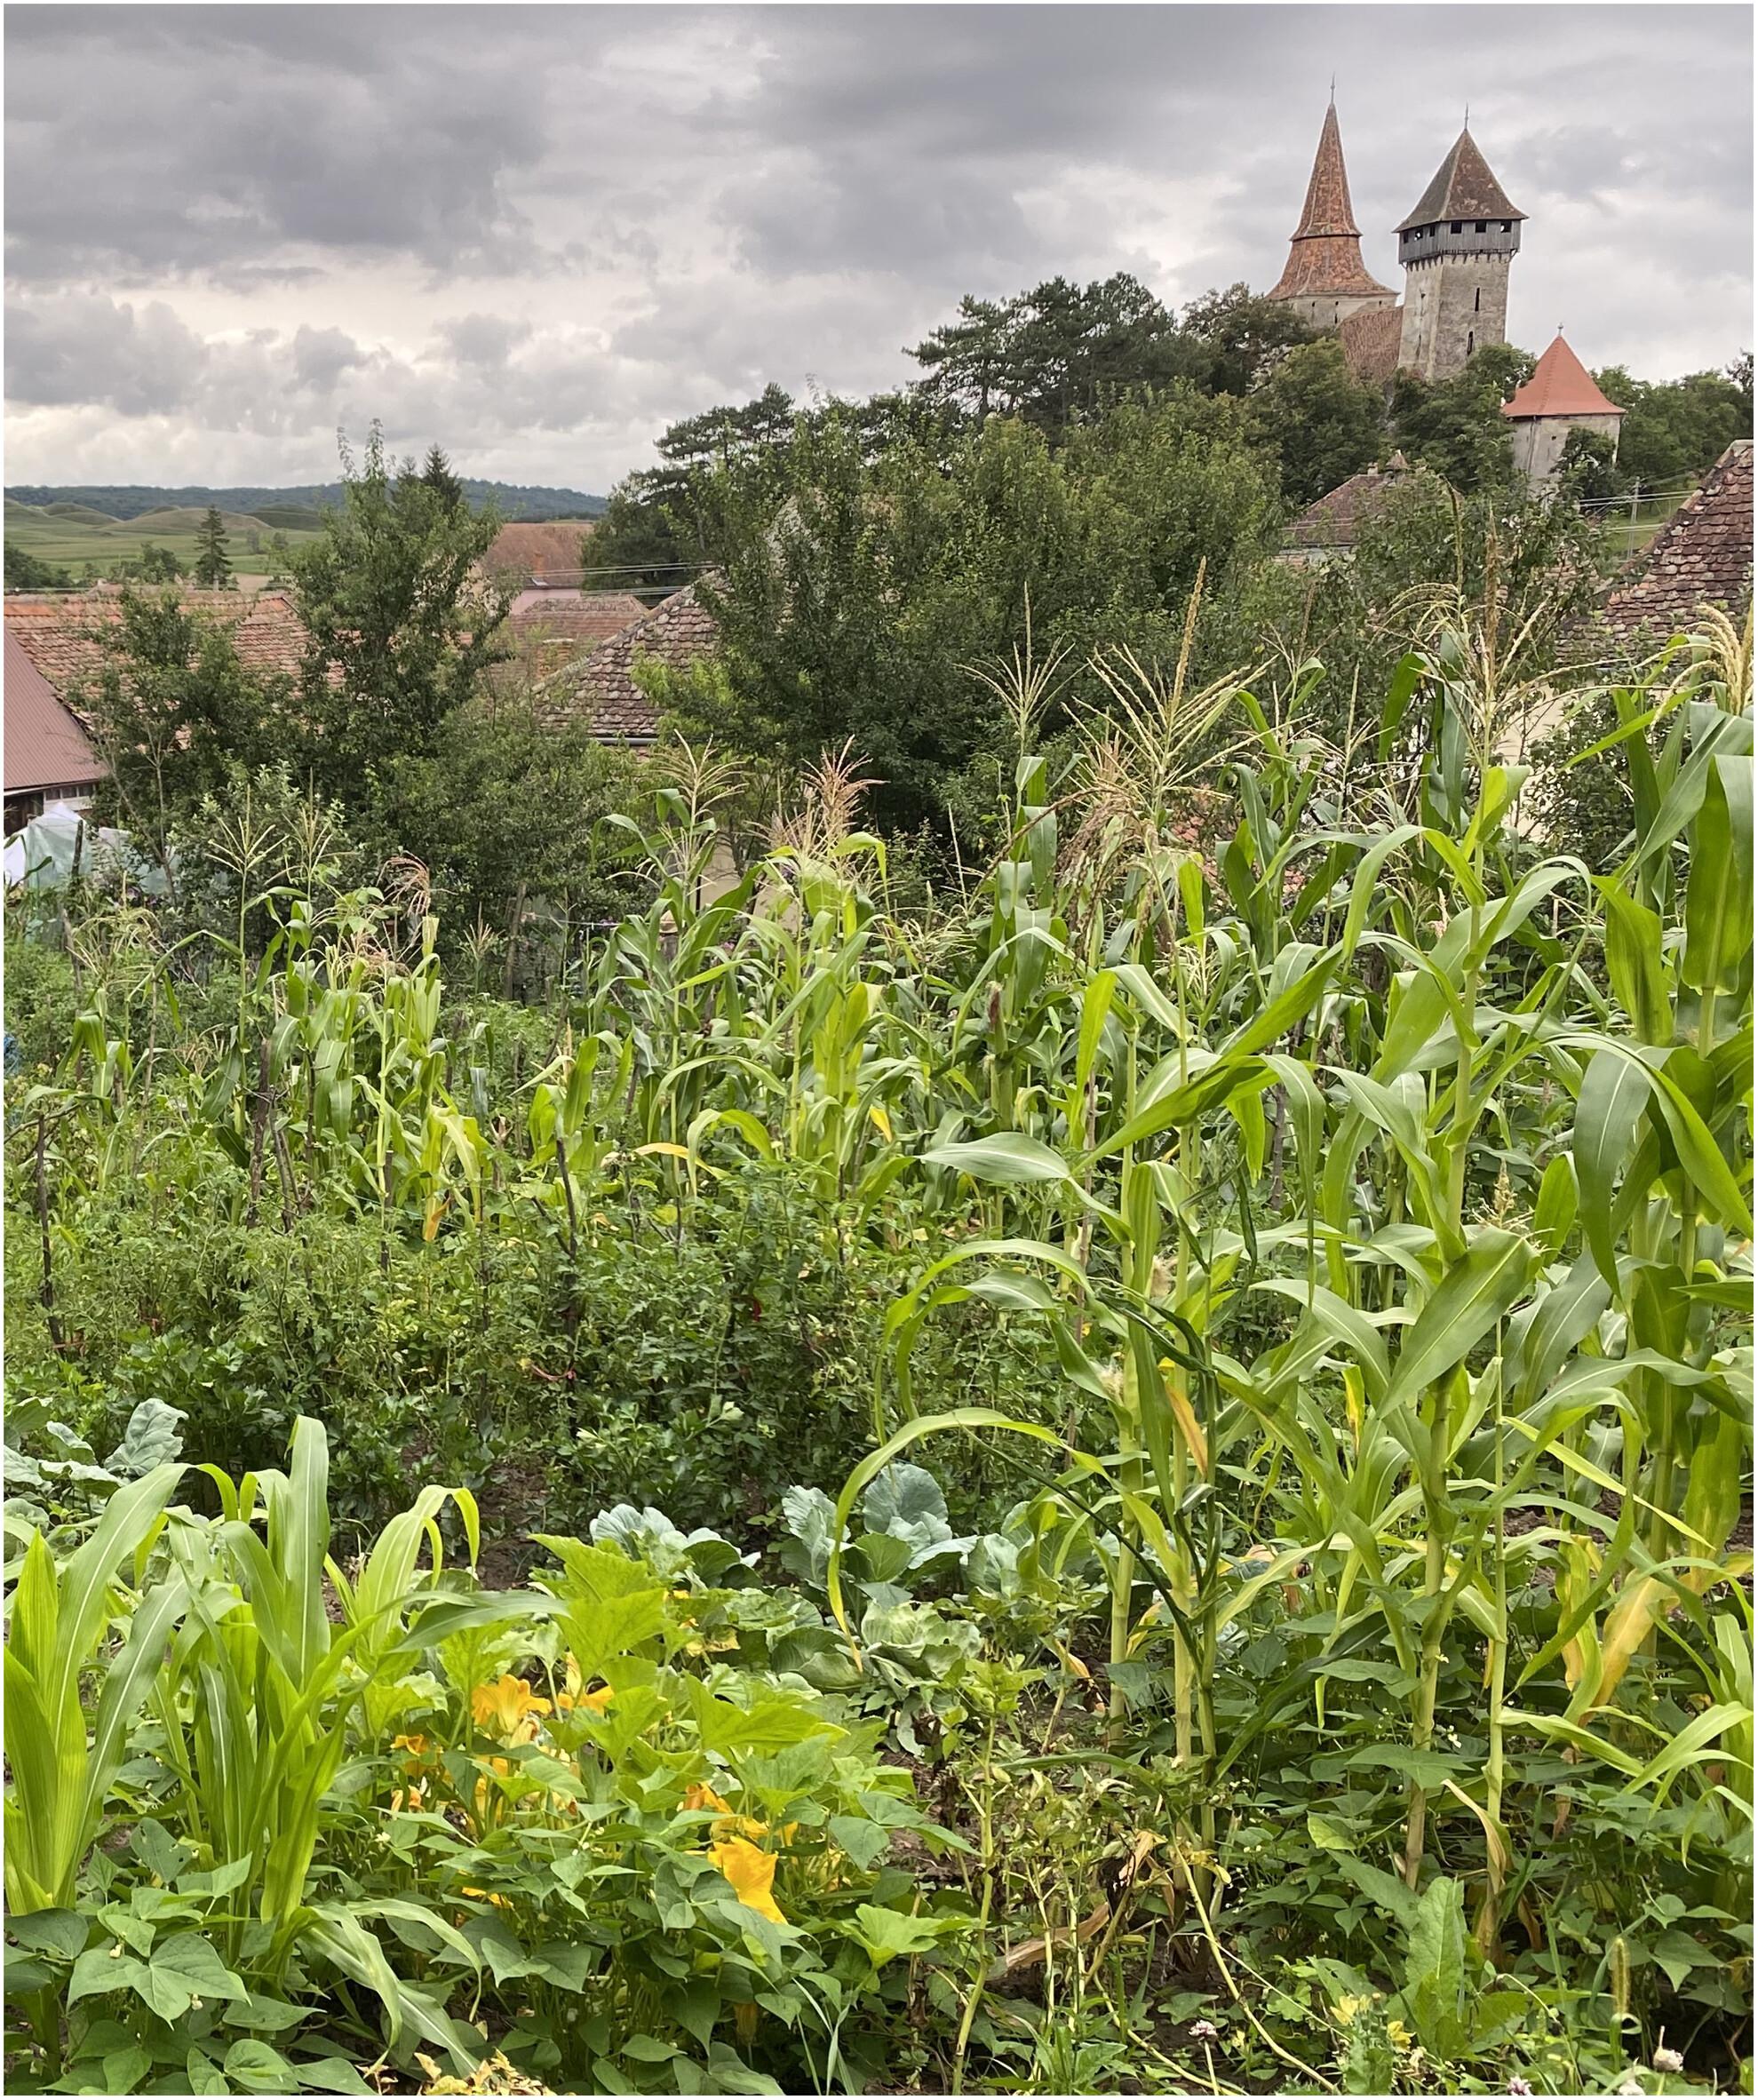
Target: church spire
1324 256
1328 210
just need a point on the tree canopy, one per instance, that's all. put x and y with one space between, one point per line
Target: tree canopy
399 626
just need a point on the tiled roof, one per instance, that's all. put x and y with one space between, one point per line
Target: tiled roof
57 631
1560 386
1463 188
1702 555
572 616
1325 255
46 747
1328 209
1337 517
537 547
599 689
1370 339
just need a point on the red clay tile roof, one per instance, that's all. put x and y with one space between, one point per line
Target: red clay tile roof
1338 516
57 631
1324 256
1702 555
599 689
46 747
1371 341
1463 188
1560 386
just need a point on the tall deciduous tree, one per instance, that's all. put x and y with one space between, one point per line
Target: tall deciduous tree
400 619
859 606
1674 432
1320 421
1456 425
171 708
1230 339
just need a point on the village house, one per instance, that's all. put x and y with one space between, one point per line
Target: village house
599 689
49 757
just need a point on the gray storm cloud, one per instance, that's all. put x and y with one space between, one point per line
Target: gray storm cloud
538 234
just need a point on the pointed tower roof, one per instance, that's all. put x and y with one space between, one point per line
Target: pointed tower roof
1463 188
1328 209
1324 256
1560 386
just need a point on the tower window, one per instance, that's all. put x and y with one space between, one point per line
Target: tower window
1457 227
1470 341
1477 300
1481 228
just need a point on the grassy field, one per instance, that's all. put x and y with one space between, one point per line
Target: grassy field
71 535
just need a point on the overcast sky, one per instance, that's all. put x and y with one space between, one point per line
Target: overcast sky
540 234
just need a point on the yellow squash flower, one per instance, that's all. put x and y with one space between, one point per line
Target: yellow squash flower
507 1709
751 1873
566 1701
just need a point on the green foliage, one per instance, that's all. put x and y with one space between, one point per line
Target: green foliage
1322 423
26 572
155 565
173 710
507 805
1588 469
1456 425
211 568
1675 431
1315 1254
618 1863
857 609
1525 565
398 627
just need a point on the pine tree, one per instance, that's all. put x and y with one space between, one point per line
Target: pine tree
212 568
438 477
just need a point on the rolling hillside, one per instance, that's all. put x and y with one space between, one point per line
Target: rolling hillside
517 501
81 539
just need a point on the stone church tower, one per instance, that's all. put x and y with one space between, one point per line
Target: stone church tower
1326 280
1455 247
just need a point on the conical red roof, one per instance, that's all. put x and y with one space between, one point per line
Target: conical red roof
1325 254
1560 386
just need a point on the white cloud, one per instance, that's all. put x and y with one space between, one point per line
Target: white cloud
537 233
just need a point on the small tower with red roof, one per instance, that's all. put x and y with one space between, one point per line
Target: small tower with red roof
1560 396
1326 280
1455 247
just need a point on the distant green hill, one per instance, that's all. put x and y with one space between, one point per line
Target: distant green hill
172 524
518 504
91 546
290 517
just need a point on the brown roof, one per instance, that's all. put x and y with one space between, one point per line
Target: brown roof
46 747
1325 255
1463 188
572 616
1337 517
537 548
600 688
1702 555
58 632
1370 339
1560 386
